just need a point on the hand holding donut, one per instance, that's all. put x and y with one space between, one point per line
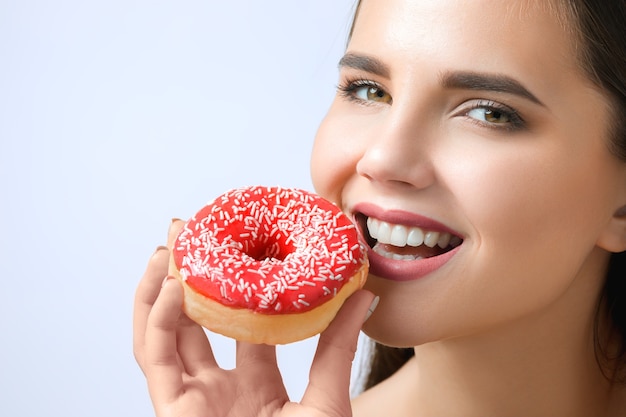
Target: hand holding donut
184 378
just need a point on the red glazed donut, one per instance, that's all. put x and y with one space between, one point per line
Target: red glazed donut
268 264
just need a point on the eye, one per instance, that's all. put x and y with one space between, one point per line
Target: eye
365 91
372 94
495 115
489 115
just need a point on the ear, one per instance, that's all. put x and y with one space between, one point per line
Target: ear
613 237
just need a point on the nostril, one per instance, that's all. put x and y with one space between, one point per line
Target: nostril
362 172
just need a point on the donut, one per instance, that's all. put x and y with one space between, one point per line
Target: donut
268 265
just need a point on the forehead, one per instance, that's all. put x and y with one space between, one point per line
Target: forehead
560 9
490 35
522 10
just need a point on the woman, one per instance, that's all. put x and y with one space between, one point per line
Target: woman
497 134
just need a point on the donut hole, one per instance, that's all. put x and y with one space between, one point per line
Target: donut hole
269 253
273 248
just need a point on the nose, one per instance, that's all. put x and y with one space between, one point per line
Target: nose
398 153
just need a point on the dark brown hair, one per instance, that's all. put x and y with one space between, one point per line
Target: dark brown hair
600 32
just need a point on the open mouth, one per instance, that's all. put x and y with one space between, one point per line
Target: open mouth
405 243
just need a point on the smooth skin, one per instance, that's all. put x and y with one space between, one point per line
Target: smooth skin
184 379
424 124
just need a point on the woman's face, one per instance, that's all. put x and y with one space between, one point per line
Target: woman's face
469 128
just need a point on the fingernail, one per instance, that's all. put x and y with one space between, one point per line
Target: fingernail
371 308
160 248
172 222
167 278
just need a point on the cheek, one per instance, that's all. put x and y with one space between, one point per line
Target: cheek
536 227
333 159
533 194
527 219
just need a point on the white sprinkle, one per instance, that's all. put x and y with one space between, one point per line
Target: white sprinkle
295 218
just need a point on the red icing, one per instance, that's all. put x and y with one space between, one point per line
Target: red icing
269 249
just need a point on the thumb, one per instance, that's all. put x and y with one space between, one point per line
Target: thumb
329 380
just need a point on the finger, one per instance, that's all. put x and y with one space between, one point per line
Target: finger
145 295
194 348
259 365
329 380
162 367
175 228
248 353
172 233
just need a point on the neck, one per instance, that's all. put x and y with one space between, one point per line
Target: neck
543 364
498 376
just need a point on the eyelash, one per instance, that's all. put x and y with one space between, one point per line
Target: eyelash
515 121
348 88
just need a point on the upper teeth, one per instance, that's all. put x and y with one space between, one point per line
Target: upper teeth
399 235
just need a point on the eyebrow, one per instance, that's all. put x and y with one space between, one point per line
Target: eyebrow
464 80
364 63
499 83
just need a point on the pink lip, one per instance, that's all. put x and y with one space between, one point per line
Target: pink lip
402 270
396 270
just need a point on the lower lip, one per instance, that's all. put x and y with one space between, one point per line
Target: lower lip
401 270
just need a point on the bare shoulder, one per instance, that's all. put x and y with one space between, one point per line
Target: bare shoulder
374 402
391 394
